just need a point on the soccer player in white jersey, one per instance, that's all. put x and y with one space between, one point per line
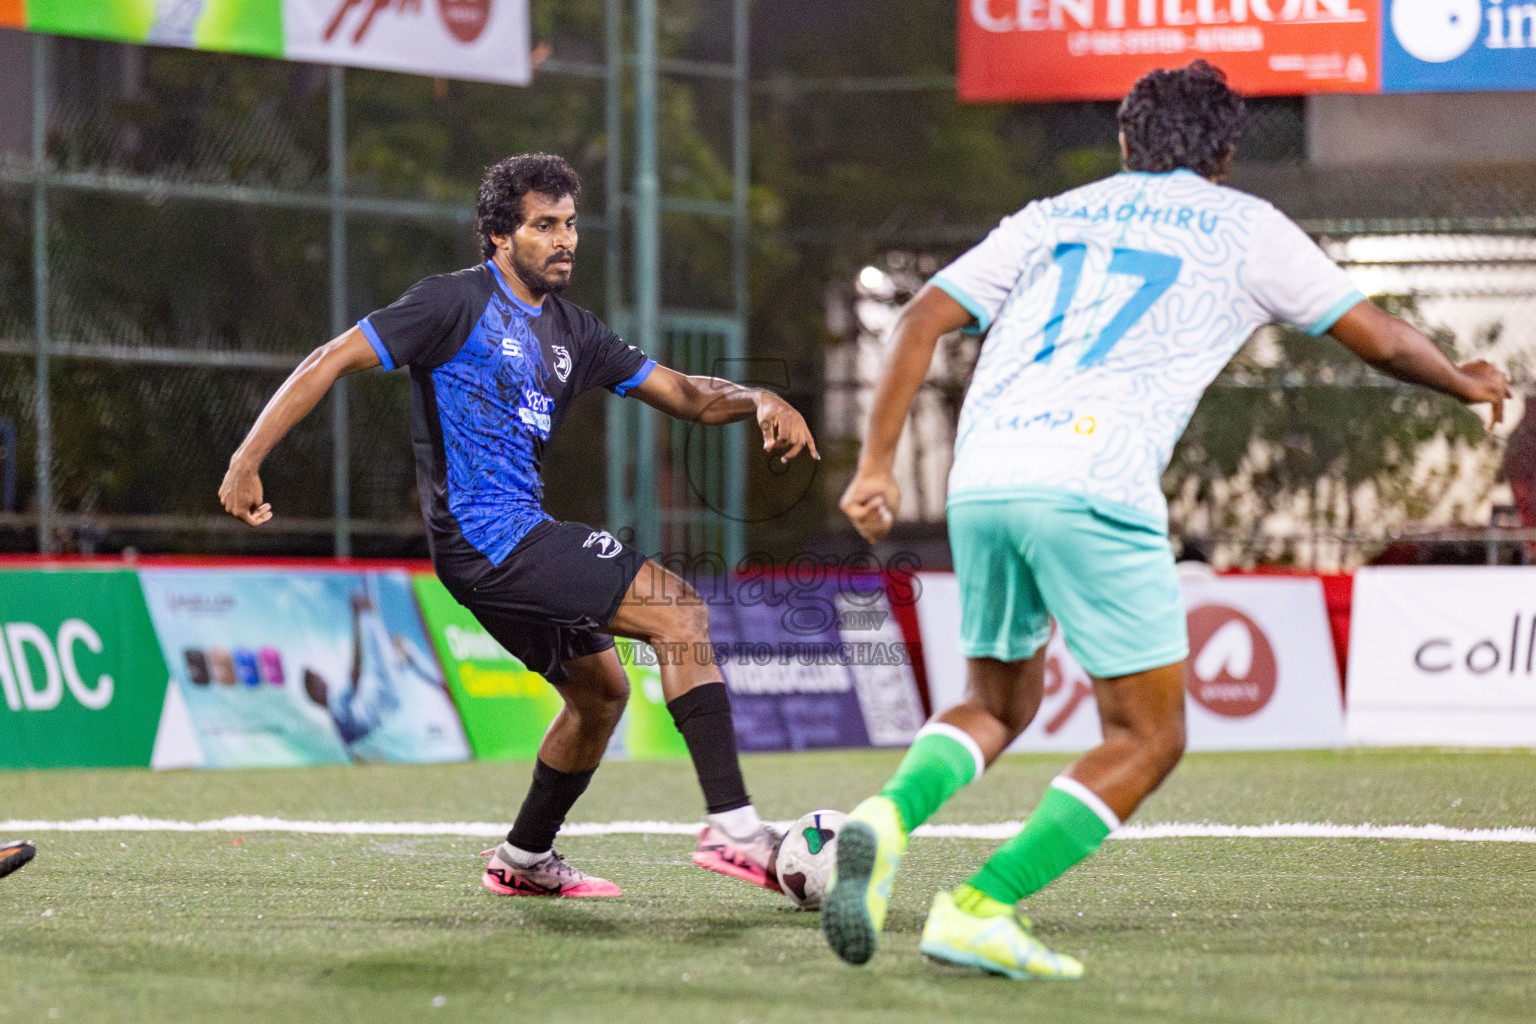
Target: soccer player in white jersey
1107 310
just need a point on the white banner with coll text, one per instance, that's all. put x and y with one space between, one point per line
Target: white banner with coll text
481 40
1443 655
1261 675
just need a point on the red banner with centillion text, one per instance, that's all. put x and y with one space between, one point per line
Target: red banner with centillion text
1034 50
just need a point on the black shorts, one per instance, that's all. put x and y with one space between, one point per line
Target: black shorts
559 586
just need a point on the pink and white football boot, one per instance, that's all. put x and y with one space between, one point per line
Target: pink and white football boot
551 876
750 860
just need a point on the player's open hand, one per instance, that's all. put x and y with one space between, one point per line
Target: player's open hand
240 494
871 503
1488 385
783 428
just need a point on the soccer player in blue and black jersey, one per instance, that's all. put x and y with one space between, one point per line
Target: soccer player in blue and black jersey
495 357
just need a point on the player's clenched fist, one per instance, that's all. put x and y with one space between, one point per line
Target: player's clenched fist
783 427
1489 385
871 503
240 494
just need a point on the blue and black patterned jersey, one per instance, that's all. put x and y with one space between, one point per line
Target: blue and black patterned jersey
491 378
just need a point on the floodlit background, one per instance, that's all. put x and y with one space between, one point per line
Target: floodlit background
207 219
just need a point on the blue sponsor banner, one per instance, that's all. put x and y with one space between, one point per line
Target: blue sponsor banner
812 665
1458 46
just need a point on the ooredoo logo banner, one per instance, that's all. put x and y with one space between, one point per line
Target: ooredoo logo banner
1443 655
1260 674
1454 45
1232 671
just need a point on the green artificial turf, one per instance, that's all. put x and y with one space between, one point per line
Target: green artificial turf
163 927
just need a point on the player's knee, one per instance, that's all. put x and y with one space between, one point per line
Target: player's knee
1166 746
603 708
688 620
1015 719
611 708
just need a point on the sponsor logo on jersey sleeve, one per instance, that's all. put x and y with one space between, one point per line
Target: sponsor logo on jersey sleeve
605 544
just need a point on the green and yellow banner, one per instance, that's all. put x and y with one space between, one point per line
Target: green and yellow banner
506 707
483 40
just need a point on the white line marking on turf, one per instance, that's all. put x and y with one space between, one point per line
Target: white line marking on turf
998 830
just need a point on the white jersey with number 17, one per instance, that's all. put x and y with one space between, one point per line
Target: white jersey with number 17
1107 312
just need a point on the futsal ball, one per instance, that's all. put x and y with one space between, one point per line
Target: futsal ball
804 858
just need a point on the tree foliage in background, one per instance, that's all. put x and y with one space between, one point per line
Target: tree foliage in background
1299 437
839 179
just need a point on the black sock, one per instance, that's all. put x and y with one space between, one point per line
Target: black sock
544 809
703 716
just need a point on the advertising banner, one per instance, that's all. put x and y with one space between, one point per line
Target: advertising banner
1443 655
483 40
83 681
1261 672
287 667
647 732
1096 49
814 665
505 706
1458 45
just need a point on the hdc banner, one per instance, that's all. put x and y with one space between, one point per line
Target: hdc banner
82 682
1443 655
285 667
484 40
1261 672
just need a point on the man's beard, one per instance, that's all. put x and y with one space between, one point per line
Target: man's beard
534 276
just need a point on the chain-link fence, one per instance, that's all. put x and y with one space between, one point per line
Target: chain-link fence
189 226
1300 454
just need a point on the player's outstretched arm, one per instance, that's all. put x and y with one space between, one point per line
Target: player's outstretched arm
1394 347
712 401
872 498
240 494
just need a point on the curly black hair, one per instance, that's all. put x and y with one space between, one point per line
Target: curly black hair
499 210
1185 117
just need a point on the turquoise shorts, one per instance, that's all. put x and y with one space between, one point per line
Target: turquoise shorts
1108 580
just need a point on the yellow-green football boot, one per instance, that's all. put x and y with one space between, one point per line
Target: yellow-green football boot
859 892
971 929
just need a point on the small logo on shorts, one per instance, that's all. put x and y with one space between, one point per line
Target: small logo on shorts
562 363
607 544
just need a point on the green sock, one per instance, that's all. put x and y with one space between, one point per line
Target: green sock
941 759
978 904
1067 826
